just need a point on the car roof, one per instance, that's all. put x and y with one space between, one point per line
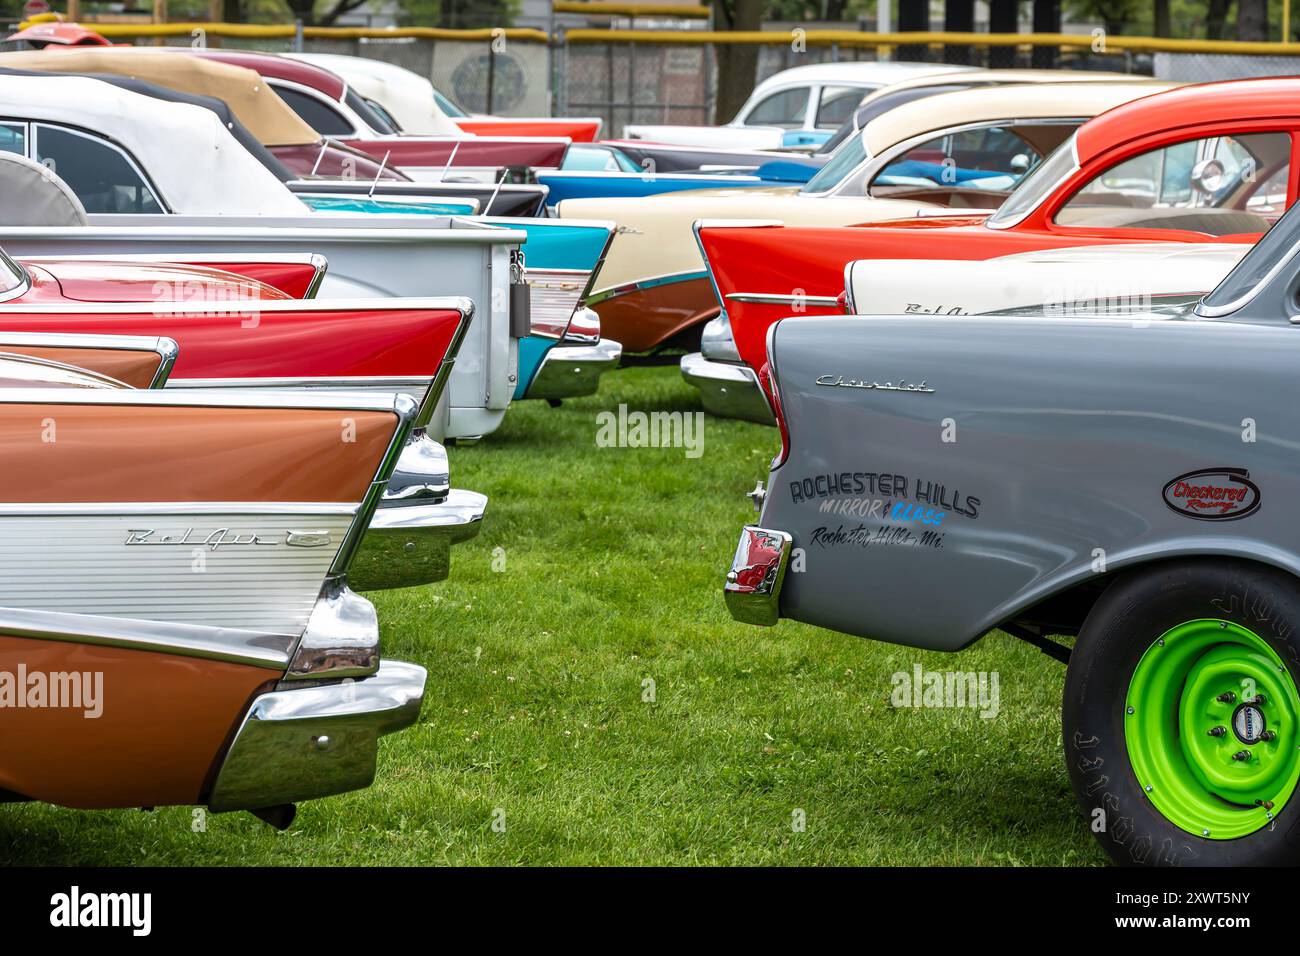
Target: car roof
237 129
185 150
988 104
258 107
402 92
281 68
1226 102
866 72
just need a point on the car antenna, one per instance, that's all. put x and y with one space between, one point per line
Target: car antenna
493 198
450 159
379 173
324 145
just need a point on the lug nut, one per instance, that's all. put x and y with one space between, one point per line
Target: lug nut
1268 735
1226 698
1241 755
1217 731
1257 699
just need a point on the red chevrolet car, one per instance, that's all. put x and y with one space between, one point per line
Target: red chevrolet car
1210 163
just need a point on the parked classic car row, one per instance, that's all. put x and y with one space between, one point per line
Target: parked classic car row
1019 334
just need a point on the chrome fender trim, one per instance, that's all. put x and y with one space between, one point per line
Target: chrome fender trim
408 545
314 741
729 391
569 371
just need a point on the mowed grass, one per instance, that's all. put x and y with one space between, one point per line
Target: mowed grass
539 715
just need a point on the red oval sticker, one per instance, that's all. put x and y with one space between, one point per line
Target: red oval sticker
1213 494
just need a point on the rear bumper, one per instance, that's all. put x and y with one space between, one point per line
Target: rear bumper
753 588
408 545
309 742
571 371
726 390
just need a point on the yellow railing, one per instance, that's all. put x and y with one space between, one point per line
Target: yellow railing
843 38
854 38
608 8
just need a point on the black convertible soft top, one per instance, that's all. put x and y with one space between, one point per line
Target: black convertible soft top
237 129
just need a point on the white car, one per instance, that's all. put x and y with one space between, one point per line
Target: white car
802 106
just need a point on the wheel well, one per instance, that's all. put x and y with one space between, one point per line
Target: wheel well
1065 611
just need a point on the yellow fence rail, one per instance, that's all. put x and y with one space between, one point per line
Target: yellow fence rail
854 38
813 38
604 8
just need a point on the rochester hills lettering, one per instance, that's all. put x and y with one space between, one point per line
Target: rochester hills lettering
851 484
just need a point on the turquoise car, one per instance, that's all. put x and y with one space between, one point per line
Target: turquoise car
563 356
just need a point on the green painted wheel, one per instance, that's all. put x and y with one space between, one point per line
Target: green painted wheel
1212 726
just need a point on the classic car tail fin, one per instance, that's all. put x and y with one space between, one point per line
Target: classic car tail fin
133 360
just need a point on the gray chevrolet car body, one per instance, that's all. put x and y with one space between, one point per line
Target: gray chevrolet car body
1128 479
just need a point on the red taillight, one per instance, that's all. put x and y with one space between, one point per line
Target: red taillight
768 378
842 302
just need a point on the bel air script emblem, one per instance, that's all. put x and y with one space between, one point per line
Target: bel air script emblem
902 385
224 537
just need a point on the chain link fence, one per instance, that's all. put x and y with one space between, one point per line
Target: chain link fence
628 76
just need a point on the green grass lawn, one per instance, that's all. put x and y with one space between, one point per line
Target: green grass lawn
613 565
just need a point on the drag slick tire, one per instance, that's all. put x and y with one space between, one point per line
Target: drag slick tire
1181 718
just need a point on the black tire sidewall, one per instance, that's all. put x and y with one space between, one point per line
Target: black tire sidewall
1134 610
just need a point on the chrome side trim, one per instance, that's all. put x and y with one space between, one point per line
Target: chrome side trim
168 351
298 743
322 266
406 410
349 400
232 645
110 509
440 379
24 280
341 640
450 303
394 383
771 298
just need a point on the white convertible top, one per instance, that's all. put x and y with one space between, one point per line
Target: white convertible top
32 195
186 152
406 95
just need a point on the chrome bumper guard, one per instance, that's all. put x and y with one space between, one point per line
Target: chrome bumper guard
571 371
729 391
753 588
408 545
314 741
